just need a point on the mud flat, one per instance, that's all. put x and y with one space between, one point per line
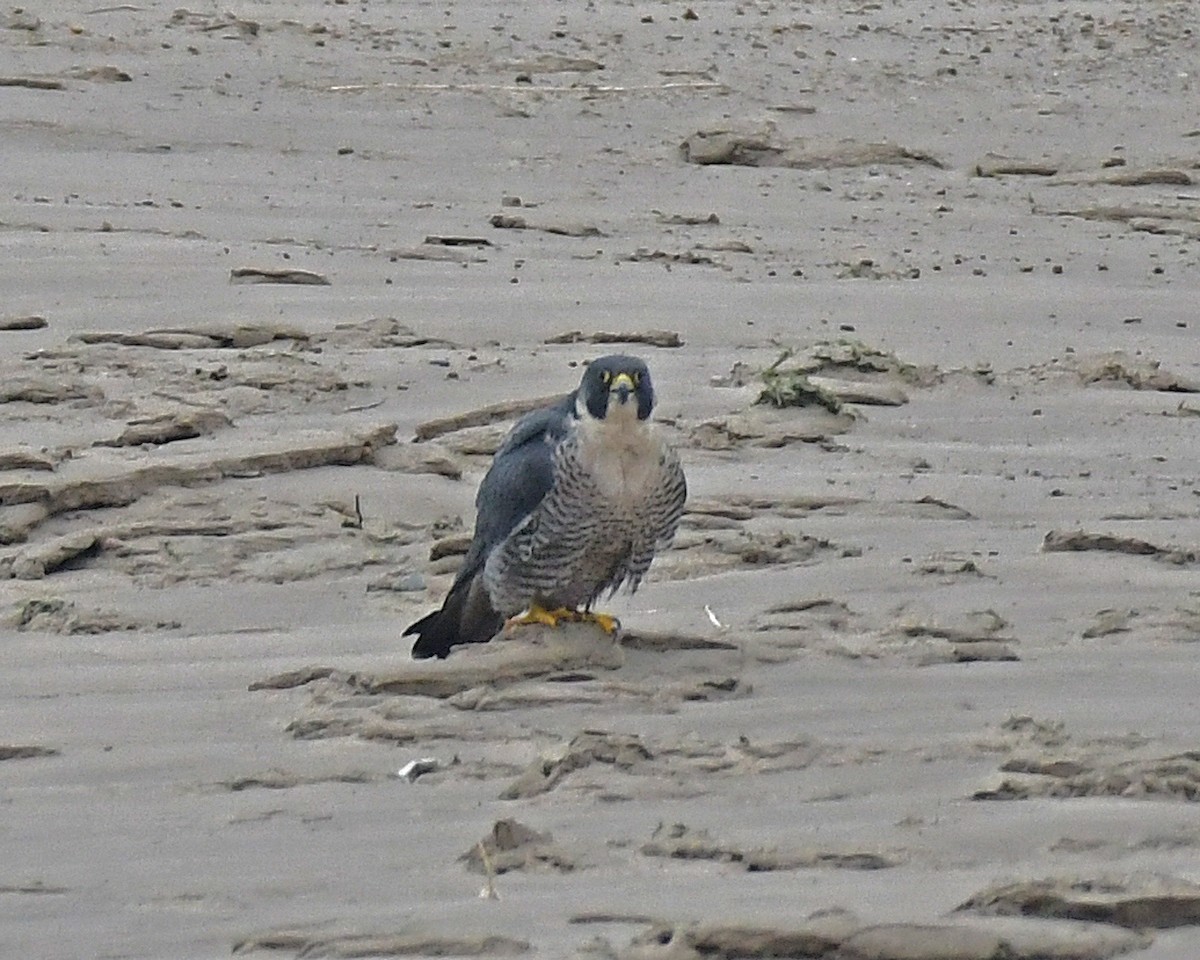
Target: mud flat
918 286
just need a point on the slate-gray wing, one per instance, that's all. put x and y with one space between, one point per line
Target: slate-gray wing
521 474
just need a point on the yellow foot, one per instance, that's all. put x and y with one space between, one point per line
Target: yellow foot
539 614
552 618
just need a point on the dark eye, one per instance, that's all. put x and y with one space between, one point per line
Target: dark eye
606 376
637 379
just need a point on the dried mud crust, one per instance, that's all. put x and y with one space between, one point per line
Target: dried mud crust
1046 761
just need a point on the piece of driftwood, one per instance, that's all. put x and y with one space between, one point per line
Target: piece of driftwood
407 943
277 275
504 221
995 165
1068 541
457 241
653 338
482 416
32 83
22 323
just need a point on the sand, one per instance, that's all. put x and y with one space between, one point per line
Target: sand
916 680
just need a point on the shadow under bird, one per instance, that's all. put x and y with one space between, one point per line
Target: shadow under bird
578 499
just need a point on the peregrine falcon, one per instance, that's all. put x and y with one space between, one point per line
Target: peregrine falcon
577 500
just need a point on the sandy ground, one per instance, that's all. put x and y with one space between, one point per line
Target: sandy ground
934 650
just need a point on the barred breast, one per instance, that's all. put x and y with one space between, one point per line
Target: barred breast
611 507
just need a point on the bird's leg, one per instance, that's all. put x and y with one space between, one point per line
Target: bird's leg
539 614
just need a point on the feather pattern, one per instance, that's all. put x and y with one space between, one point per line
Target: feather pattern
579 498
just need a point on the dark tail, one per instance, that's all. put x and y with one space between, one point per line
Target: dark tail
467 616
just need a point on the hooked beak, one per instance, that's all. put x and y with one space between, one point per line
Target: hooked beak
622 385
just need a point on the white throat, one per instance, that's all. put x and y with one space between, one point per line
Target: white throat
621 452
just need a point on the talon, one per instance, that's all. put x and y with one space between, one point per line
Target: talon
609 624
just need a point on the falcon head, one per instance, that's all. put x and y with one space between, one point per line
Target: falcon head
616 386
